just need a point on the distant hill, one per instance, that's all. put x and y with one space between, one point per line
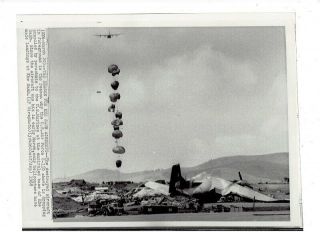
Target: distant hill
257 168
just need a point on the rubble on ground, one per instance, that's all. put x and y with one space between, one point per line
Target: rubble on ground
118 199
78 197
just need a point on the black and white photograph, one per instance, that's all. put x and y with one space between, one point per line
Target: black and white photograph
164 124
149 122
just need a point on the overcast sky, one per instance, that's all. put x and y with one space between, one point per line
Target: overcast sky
187 95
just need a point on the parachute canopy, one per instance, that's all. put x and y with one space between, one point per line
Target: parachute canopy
111 108
117 122
118 114
114 97
117 134
113 69
119 150
115 85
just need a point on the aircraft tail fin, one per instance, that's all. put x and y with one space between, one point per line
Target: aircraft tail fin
175 178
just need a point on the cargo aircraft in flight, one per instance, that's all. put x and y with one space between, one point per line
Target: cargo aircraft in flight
108 35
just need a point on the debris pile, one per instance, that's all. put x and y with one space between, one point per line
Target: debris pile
115 200
148 204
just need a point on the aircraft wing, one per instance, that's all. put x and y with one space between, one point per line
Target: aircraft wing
101 35
247 193
225 187
160 188
211 183
152 188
